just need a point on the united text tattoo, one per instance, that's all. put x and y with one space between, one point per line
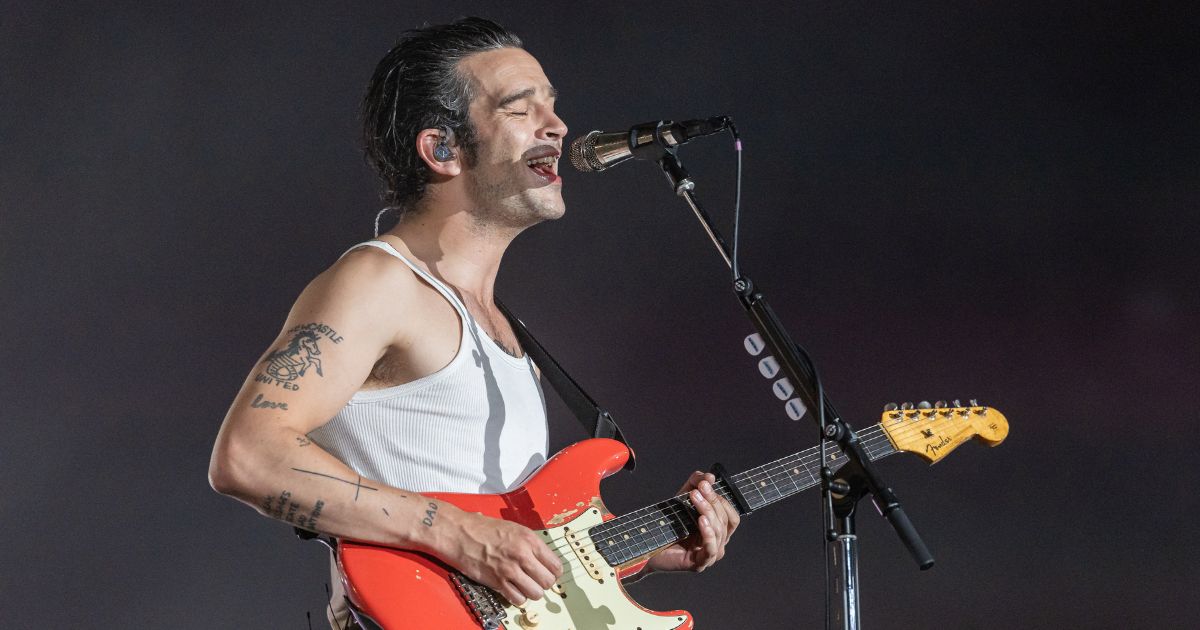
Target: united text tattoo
430 512
358 485
260 403
301 354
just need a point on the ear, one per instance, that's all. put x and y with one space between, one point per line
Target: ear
427 141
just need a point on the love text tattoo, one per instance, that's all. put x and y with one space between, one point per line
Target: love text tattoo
301 354
358 485
260 403
430 512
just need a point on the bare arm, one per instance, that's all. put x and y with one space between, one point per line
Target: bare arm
340 326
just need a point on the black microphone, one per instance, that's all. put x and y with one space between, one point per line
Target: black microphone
599 150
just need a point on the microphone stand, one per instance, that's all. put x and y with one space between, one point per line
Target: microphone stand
854 480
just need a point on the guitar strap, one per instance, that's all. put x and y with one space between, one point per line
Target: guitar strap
595 420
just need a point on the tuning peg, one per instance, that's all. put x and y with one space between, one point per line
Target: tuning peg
956 403
941 404
974 403
924 404
906 406
754 344
891 407
783 389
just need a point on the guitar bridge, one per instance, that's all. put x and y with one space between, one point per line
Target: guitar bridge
482 601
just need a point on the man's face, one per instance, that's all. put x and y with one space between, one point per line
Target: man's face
513 180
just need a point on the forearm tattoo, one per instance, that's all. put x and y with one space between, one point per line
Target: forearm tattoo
430 512
358 484
283 508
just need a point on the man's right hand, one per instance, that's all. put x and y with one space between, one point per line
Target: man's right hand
507 557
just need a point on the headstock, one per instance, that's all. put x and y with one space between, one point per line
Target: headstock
932 431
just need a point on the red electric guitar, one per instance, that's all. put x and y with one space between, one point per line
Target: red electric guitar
402 590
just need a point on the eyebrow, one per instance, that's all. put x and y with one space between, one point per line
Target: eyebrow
526 93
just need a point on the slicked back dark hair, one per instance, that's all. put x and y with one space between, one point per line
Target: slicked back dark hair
417 86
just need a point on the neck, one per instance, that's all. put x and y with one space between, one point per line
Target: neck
455 247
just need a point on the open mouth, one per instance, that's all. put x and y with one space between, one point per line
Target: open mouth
544 167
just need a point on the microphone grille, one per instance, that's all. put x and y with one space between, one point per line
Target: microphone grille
583 153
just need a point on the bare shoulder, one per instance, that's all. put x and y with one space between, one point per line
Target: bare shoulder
366 286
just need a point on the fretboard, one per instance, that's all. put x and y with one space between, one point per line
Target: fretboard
653 527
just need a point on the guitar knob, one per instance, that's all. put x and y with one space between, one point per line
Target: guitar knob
924 404
891 407
956 403
974 403
941 404
906 406
528 619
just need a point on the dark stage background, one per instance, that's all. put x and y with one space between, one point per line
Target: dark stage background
956 200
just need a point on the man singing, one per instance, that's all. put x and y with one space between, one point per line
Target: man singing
395 373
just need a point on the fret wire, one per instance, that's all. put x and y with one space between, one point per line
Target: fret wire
870 438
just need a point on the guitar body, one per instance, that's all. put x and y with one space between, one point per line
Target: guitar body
402 589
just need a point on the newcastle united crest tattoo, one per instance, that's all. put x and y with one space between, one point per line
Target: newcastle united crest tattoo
300 356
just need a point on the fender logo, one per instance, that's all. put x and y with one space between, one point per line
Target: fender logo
933 449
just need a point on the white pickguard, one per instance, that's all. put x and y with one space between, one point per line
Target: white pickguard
580 601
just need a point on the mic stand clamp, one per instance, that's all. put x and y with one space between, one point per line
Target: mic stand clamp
862 475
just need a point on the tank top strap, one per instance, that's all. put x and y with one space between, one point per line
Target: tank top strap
438 285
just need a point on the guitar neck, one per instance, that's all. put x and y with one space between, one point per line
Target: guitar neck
653 527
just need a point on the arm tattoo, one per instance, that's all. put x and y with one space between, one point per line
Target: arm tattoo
286 365
260 403
283 508
358 485
303 440
430 512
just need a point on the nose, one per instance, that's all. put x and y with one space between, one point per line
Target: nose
553 127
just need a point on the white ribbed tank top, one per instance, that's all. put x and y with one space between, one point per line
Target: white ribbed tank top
477 425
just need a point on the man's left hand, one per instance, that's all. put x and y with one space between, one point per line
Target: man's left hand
717 520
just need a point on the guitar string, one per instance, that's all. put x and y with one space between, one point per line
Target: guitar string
875 436
873 439
805 458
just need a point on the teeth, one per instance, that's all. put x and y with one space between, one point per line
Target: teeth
549 159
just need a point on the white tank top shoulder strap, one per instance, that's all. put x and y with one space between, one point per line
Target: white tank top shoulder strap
438 285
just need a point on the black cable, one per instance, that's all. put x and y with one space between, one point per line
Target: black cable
737 202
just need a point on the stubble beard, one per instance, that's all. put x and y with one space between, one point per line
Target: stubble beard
501 200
